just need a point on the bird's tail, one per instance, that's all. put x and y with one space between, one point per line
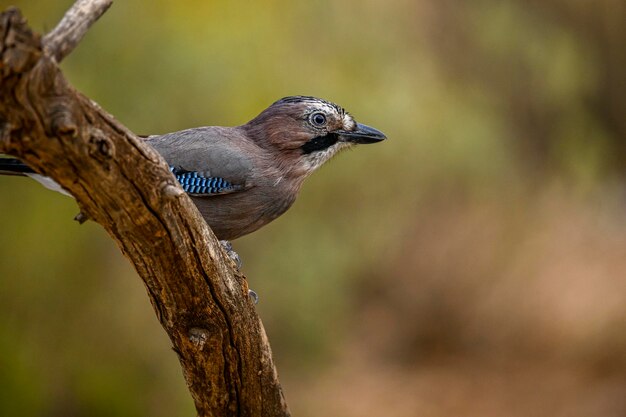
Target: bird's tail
12 166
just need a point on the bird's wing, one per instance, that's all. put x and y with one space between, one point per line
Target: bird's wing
198 184
207 161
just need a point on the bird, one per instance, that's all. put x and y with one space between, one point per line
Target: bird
243 177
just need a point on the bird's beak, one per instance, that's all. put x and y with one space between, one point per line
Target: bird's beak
362 134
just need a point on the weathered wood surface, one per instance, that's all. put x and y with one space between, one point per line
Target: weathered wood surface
120 182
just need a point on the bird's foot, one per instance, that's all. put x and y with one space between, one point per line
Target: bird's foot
254 296
228 248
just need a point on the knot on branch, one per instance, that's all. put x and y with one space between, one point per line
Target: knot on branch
62 123
100 146
20 48
198 336
81 217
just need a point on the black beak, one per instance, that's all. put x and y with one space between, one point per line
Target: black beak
362 134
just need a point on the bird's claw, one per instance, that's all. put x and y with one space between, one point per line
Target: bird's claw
228 248
254 296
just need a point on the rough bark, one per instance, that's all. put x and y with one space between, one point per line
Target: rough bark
118 181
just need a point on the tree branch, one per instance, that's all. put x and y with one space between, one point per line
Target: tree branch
120 182
72 28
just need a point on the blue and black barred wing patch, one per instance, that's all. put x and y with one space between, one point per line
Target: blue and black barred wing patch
195 183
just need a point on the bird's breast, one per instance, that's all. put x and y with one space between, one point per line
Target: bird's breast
234 215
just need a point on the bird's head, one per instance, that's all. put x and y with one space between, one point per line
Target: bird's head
308 129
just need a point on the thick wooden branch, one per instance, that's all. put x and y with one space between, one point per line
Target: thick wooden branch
124 185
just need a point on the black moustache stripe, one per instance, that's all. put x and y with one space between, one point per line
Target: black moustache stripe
319 143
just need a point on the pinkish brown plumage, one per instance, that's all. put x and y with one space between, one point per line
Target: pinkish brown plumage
243 177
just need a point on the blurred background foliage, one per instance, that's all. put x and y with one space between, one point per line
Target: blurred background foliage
472 265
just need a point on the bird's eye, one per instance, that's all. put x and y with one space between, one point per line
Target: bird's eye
318 119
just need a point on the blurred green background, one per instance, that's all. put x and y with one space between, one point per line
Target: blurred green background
474 264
